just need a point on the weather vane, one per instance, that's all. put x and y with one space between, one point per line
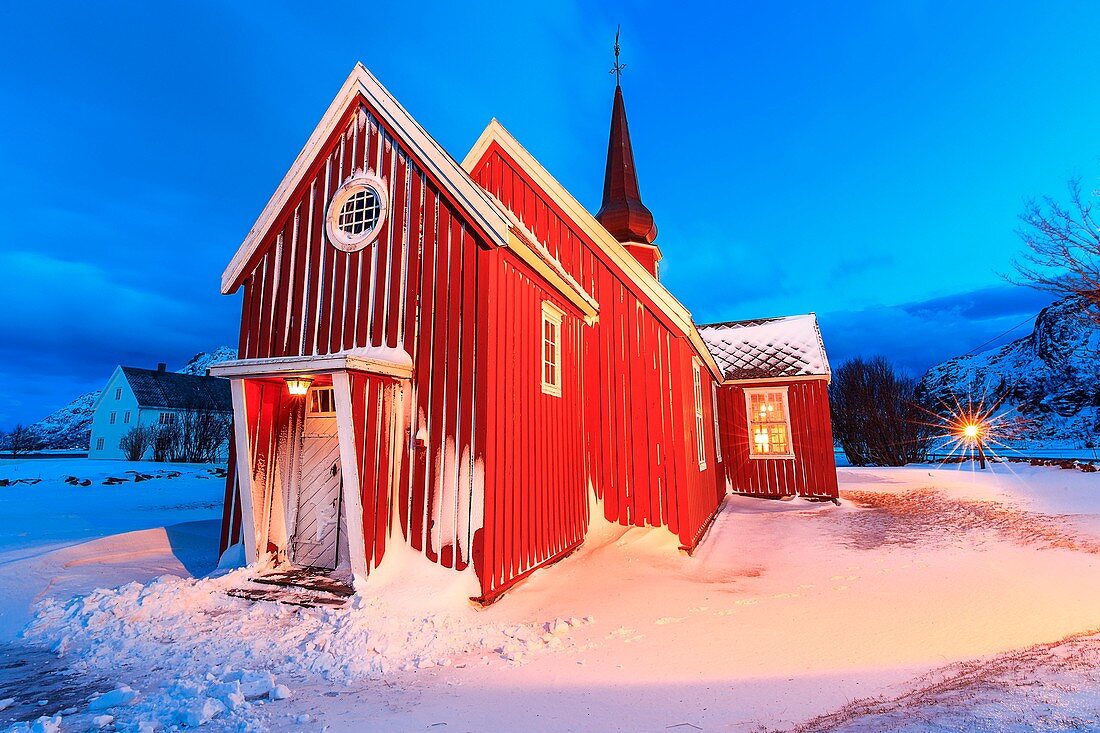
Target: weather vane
617 69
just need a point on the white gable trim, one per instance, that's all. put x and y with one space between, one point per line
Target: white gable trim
110 381
614 249
435 159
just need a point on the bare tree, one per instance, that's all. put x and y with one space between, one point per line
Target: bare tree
877 414
22 440
1063 244
136 441
200 435
165 438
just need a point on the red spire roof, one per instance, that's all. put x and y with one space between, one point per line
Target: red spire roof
622 213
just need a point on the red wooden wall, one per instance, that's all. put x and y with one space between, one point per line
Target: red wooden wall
638 417
812 472
415 289
535 499
377 417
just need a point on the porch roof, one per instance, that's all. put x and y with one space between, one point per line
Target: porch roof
382 360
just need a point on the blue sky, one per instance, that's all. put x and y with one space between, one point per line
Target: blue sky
865 161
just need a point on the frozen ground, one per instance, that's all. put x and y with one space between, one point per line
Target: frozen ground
932 599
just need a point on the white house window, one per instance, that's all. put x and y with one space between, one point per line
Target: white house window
322 401
167 418
126 418
769 422
99 444
356 212
113 416
551 349
118 393
700 441
717 433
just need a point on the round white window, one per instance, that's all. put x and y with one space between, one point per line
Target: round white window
356 212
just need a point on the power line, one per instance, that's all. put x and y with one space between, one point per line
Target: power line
978 348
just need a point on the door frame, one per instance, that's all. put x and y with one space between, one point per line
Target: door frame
255 529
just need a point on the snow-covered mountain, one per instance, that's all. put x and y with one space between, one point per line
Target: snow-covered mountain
1050 378
70 427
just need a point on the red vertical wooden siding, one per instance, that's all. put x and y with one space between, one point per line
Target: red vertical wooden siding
377 417
637 416
812 472
535 499
415 288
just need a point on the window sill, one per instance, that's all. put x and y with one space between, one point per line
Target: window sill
551 390
772 456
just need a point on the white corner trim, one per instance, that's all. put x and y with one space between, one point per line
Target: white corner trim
244 470
646 281
349 468
482 211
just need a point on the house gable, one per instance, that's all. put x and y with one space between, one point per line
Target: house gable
362 89
495 140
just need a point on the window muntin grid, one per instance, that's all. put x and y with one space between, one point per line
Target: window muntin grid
769 423
700 441
551 349
322 401
360 212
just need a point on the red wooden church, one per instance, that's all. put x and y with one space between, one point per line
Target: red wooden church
461 358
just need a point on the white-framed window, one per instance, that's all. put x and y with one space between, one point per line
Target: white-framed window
167 418
322 401
114 415
99 444
118 393
356 212
700 440
769 422
551 348
717 432
126 418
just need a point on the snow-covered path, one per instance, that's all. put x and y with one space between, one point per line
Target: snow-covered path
789 610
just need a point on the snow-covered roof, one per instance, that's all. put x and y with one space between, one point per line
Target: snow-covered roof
788 346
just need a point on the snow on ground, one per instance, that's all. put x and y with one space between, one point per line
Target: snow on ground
922 598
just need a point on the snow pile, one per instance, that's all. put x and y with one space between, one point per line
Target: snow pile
224 653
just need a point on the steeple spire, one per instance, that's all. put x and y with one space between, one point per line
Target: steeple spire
622 213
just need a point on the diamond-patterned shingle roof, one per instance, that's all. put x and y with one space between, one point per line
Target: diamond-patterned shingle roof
790 346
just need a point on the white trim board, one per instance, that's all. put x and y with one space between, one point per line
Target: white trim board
244 470
290 365
349 466
436 160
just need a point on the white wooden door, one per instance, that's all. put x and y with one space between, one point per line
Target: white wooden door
317 528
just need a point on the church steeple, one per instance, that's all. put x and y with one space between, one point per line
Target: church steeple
622 213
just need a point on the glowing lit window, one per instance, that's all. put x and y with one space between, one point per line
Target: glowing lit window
700 440
551 349
322 401
356 212
769 423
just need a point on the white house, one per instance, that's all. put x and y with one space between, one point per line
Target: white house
135 396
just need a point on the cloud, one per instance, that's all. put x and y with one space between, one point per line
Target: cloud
916 336
67 324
